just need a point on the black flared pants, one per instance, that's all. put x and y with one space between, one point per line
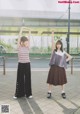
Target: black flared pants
23 83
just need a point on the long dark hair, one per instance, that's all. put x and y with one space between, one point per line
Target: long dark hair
59 42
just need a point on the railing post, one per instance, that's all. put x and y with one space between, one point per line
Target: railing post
72 66
3 65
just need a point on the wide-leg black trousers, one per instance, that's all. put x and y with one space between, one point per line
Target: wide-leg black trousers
23 83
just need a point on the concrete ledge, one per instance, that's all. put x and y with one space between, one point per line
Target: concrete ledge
38 69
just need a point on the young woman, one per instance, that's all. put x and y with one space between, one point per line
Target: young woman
57 74
23 83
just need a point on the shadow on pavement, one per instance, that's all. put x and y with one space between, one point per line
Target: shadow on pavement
29 106
24 106
67 110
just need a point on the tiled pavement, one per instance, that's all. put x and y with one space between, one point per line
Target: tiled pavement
39 104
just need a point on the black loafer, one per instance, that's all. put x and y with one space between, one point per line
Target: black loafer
63 95
49 95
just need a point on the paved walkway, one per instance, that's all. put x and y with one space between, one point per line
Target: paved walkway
39 104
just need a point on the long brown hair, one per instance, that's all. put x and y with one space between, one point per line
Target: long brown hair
59 42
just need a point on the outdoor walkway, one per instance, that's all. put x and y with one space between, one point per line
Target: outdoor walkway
39 104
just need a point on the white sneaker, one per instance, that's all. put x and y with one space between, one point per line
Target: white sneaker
14 97
30 97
